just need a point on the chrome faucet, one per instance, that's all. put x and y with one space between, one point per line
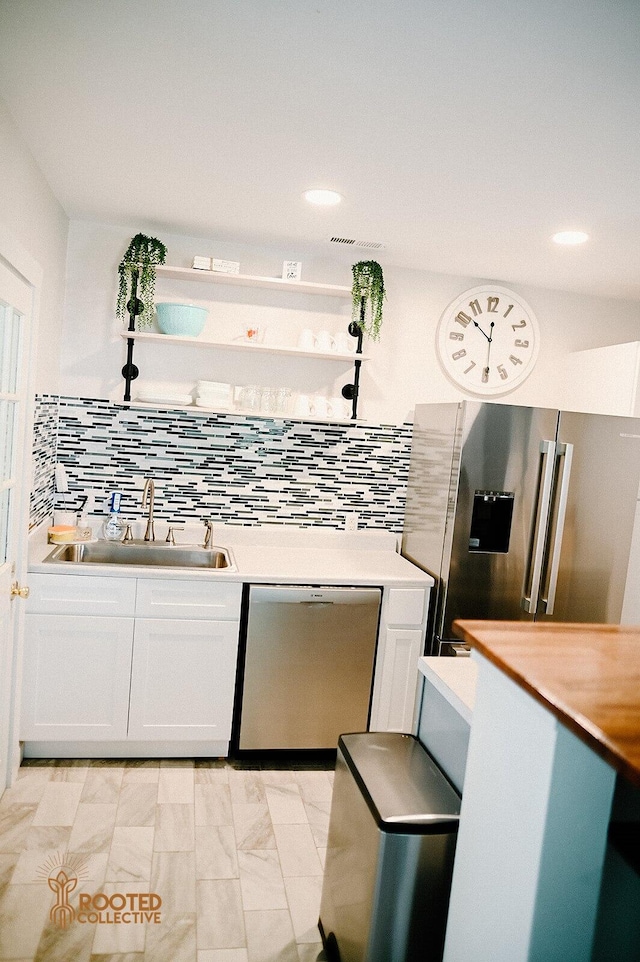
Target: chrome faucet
208 533
149 489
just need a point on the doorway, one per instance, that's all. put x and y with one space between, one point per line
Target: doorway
16 311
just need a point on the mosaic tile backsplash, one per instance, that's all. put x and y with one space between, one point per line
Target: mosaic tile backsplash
45 429
235 469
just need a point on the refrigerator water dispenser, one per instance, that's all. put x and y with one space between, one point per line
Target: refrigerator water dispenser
491 521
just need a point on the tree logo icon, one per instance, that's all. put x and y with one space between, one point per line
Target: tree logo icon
63 871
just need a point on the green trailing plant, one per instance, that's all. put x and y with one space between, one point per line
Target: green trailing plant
137 278
368 293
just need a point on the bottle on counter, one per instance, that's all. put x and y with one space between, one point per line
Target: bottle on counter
84 531
113 528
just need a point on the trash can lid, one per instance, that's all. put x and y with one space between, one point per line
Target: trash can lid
403 786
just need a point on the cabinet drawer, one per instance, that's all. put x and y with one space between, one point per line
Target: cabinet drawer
81 595
406 606
188 599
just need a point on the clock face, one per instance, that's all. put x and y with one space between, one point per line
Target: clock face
488 340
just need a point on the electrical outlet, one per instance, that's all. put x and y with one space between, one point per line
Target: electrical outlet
351 522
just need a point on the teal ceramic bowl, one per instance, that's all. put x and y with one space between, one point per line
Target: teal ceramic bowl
183 320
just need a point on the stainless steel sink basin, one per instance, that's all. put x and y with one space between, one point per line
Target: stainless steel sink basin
157 555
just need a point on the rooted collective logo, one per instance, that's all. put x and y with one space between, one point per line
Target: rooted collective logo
63 872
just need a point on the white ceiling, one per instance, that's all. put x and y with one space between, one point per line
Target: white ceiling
461 133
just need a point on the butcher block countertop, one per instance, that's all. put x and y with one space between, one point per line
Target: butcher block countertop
588 676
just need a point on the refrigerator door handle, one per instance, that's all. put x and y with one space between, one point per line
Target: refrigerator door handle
564 451
535 564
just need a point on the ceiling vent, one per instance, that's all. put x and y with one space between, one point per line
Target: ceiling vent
350 242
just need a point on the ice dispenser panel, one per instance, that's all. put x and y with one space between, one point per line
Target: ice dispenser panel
491 521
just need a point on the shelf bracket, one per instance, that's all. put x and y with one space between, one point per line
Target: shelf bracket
134 307
351 391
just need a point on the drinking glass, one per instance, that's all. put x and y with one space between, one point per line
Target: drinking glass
250 397
283 400
268 400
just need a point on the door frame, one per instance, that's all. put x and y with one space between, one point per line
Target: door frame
29 270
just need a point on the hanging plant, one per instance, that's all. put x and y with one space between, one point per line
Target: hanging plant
368 294
137 277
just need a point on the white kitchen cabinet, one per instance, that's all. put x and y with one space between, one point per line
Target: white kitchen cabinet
76 675
604 380
182 679
159 681
400 644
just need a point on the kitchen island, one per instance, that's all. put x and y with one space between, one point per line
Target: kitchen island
554 756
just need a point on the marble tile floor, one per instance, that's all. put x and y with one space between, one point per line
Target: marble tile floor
236 855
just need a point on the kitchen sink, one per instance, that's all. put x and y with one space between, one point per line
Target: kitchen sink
141 553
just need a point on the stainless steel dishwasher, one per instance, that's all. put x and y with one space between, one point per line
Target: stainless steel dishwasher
308 666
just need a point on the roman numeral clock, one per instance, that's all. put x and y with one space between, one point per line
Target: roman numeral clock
488 340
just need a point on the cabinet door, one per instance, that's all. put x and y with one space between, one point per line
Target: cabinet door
76 677
396 704
183 679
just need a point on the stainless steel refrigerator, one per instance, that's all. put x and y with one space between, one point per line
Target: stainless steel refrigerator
521 513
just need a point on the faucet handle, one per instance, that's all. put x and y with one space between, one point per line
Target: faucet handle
127 534
170 539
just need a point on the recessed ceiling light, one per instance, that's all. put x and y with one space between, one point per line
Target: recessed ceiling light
325 198
570 237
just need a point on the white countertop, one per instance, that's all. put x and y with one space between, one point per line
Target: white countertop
267 554
455 679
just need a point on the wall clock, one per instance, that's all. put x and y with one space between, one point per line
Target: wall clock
488 340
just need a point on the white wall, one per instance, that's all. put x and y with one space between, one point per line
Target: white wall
403 370
33 216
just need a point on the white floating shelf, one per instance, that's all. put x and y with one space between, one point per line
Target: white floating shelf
237 412
344 356
249 280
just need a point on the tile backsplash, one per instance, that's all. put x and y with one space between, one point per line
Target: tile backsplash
236 469
45 430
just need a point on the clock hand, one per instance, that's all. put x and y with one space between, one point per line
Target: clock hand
481 331
489 343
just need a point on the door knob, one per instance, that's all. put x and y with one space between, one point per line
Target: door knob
16 590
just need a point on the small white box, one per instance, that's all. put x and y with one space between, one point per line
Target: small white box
202 263
291 270
225 267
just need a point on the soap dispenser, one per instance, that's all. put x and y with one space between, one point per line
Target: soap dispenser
112 529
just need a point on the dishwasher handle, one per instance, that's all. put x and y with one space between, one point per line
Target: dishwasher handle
310 595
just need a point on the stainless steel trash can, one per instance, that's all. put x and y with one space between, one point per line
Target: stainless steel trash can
392 837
